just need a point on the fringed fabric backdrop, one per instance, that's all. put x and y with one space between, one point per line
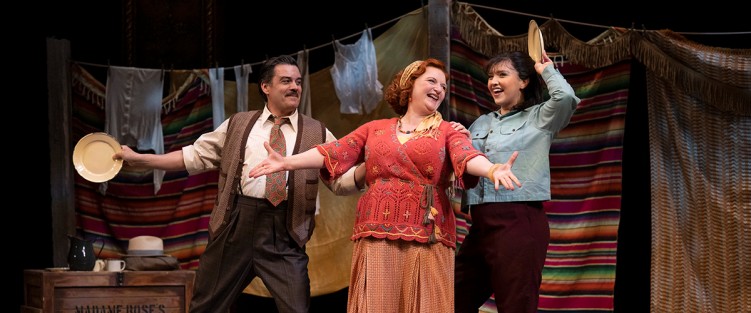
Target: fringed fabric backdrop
699 103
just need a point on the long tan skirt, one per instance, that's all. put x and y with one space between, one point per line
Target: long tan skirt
396 276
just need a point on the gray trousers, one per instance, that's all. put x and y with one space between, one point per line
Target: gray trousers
255 243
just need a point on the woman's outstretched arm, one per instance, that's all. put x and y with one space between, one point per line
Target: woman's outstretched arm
277 163
499 173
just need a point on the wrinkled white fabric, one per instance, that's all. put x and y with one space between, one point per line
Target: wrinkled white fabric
216 79
242 72
302 63
355 75
133 107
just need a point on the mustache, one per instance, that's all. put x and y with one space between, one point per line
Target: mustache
292 93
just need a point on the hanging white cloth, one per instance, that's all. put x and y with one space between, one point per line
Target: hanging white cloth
242 72
355 75
216 79
303 63
133 107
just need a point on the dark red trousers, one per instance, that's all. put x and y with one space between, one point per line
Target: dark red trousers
503 255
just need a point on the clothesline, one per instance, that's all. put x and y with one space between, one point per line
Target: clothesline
470 4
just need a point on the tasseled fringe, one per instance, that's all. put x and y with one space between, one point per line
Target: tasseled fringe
426 203
170 101
436 229
87 86
593 54
667 54
728 91
480 35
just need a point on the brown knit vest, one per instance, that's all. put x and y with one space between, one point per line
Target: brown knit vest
303 184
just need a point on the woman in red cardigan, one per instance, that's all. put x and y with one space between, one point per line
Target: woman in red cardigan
404 233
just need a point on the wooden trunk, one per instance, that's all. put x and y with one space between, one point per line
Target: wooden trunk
101 292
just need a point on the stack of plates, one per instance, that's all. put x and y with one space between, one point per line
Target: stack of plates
92 157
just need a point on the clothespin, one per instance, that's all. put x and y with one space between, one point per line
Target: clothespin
370 35
333 43
242 67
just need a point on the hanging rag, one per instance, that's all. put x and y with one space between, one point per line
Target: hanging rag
133 107
216 79
303 62
242 72
355 75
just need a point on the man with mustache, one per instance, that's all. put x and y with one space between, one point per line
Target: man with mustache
251 232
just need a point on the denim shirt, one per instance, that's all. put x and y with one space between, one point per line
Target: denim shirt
531 132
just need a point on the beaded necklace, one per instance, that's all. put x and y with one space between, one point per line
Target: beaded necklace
399 127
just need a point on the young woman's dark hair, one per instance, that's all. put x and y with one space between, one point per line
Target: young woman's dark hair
522 63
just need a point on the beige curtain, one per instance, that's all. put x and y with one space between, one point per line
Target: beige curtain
700 147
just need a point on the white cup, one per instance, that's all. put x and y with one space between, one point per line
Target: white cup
99 265
115 265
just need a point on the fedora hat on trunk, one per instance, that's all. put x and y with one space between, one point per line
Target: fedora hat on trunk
145 246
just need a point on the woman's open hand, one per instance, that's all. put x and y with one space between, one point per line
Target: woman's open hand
502 174
272 164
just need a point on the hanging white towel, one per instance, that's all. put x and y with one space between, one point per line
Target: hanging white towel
216 78
133 107
242 72
302 63
355 75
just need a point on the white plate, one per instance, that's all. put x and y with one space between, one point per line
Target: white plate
92 157
535 43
